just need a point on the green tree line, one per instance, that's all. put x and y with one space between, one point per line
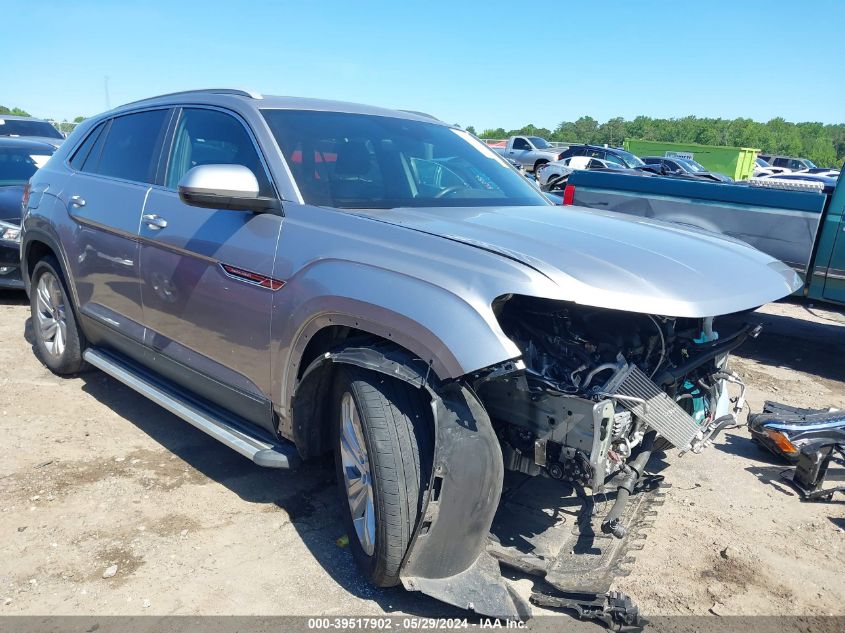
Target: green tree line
63 126
823 144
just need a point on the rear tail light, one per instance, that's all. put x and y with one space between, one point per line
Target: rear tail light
569 195
25 199
560 156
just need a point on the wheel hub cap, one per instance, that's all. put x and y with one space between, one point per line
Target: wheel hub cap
50 314
356 474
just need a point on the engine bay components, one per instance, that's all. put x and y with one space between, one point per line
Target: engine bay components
644 399
594 382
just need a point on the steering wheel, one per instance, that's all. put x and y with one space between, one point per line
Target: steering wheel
448 190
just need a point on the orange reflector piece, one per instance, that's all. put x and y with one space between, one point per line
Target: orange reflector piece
781 441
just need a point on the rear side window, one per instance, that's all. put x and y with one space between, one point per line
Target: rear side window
131 146
211 137
84 150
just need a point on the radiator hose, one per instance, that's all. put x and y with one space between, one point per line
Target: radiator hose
636 467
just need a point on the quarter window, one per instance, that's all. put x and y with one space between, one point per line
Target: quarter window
129 151
79 158
211 137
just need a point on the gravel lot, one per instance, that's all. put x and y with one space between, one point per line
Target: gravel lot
96 481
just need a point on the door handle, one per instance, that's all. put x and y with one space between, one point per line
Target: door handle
154 221
77 201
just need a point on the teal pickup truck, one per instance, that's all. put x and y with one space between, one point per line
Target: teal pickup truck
801 224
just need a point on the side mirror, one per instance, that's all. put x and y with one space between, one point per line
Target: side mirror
232 187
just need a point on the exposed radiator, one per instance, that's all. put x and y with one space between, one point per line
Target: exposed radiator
660 413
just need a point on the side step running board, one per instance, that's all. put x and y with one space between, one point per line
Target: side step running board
264 451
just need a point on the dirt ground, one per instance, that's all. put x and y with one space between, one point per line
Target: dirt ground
96 481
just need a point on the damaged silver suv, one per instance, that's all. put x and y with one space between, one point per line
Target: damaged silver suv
297 277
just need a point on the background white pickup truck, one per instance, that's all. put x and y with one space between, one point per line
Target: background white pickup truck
528 151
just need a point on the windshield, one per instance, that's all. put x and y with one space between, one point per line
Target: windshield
810 164
629 159
762 163
691 165
19 127
539 143
362 161
17 165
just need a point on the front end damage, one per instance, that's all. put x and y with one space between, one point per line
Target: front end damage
540 461
531 453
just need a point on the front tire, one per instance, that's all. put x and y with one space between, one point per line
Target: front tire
383 440
58 340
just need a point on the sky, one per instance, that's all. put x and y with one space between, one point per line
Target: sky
483 63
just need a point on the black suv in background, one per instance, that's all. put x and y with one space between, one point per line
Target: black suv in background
684 167
20 158
28 127
610 154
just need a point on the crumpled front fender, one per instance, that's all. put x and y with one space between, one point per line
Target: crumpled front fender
447 558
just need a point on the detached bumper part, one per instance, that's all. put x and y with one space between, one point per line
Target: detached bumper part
786 430
810 438
809 476
615 609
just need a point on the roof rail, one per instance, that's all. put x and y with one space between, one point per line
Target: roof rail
252 94
425 114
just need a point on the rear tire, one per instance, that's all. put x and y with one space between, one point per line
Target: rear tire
58 340
382 486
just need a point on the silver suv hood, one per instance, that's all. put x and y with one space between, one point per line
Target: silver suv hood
616 261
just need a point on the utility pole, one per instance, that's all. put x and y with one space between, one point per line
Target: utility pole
106 88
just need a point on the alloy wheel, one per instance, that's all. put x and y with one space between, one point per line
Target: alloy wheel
50 314
356 474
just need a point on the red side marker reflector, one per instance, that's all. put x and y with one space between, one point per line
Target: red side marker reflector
250 277
569 195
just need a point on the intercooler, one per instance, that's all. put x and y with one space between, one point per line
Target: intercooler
637 393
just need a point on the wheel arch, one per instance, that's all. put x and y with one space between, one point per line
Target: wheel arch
539 162
309 423
38 244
